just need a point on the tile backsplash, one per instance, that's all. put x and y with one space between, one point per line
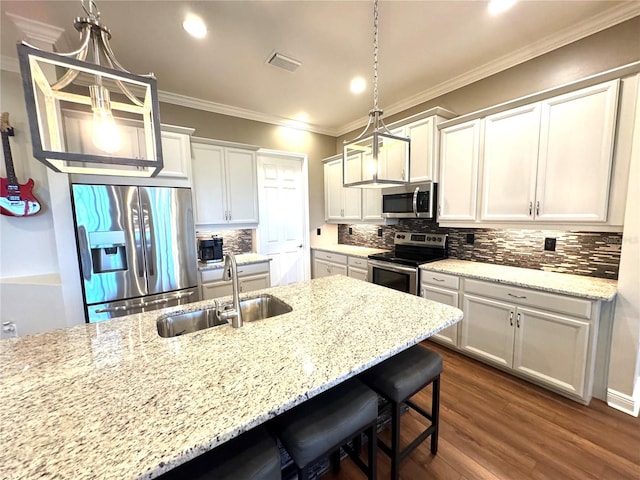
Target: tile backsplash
594 254
234 241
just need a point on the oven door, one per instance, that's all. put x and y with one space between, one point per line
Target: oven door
394 276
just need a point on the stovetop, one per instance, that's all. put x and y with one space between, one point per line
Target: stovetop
414 249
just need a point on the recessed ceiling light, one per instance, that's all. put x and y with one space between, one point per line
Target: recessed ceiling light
358 85
302 117
194 26
499 6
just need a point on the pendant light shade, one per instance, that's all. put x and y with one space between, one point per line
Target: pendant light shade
80 113
377 158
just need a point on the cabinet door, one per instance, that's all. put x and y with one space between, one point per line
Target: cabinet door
176 155
256 282
393 157
510 161
242 186
209 188
216 290
326 269
552 349
372 204
423 156
448 336
576 151
460 145
359 273
333 190
487 329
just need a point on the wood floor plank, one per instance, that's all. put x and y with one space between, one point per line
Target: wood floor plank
494 426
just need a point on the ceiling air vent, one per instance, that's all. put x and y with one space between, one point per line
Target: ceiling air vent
282 61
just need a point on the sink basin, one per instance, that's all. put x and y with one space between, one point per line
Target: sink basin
255 308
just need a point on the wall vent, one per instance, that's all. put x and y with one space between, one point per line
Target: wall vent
282 61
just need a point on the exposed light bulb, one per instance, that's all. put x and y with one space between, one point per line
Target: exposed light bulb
104 133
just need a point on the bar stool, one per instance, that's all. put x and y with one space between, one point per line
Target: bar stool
399 378
323 424
251 456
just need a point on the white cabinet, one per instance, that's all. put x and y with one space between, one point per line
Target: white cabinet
441 288
459 154
327 263
340 203
176 155
545 337
358 268
224 185
551 161
576 150
251 277
423 153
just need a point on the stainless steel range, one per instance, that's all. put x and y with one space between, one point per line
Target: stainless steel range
399 269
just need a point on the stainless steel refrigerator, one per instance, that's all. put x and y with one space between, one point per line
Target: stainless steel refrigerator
137 248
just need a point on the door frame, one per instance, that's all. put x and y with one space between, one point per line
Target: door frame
304 159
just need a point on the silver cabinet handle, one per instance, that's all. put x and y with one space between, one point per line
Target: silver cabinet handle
518 321
229 215
530 208
511 318
516 296
415 201
538 208
438 279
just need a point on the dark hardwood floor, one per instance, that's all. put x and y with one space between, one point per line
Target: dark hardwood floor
495 426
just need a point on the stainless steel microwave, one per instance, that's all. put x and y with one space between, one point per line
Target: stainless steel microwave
412 201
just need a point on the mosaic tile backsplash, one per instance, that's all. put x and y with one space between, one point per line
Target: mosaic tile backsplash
234 241
595 254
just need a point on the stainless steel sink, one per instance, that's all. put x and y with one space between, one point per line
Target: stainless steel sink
256 308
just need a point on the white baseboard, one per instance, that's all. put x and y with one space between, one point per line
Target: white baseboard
623 402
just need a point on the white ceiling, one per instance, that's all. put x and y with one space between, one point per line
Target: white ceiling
426 49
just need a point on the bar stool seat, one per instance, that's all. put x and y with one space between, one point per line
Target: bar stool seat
253 455
399 378
321 425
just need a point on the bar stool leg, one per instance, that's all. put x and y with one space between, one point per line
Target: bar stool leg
335 461
435 414
371 451
303 473
395 440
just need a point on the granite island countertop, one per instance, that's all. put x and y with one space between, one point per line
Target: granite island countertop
563 283
114 400
351 250
241 259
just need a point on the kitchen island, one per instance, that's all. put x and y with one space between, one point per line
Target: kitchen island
114 400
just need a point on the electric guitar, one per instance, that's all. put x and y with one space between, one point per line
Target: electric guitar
15 200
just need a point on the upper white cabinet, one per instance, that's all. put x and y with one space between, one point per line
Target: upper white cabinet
576 150
224 185
341 204
176 154
548 161
423 154
459 155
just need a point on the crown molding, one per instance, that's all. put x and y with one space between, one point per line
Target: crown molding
611 17
35 31
214 107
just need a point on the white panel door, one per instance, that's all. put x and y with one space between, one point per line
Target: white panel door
281 230
576 151
510 163
460 149
552 349
209 186
448 336
242 193
487 329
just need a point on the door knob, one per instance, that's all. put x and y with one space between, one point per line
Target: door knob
300 246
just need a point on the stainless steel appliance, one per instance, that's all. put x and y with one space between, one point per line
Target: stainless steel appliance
399 269
136 247
210 249
412 201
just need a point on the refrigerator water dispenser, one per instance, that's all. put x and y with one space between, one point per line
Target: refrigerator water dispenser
108 251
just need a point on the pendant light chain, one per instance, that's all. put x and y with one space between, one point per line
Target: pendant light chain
375 55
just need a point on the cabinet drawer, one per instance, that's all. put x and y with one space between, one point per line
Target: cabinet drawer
439 279
330 257
522 296
358 262
215 275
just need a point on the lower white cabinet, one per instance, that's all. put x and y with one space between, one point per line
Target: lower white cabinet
441 288
251 277
327 263
358 268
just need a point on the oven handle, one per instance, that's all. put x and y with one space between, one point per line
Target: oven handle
415 201
391 267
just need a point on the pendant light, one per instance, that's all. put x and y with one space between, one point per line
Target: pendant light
376 158
71 104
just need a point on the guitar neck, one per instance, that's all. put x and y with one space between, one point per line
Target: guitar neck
8 160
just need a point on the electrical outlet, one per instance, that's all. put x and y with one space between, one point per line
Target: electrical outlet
379 232
318 231
471 237
350 231
550 244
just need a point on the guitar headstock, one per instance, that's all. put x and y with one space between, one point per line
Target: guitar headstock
4 124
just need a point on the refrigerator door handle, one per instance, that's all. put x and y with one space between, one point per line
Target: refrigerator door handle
85 255
147 225
137 235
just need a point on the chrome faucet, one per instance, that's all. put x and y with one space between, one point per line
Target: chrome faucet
231 273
